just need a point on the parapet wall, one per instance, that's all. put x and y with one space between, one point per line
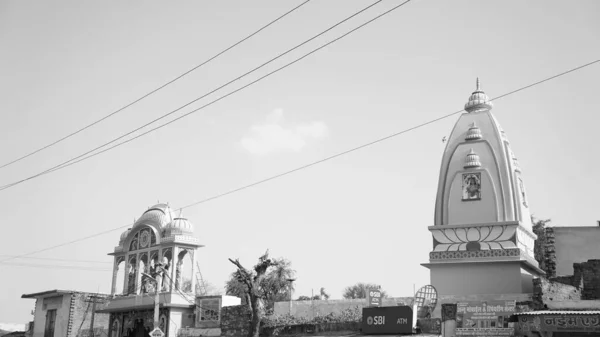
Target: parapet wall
310 309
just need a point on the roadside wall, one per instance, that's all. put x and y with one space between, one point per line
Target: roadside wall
310 309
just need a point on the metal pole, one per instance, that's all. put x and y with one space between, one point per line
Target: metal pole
92 320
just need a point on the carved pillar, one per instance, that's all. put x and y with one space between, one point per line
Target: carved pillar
126 276
193 259
178 271
174 260
138 275
113 289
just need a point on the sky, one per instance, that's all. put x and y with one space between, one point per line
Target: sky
360 217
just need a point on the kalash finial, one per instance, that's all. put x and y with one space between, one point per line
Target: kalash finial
478 101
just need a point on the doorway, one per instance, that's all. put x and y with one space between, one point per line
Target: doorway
140 330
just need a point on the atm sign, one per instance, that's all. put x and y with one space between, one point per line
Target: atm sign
374 298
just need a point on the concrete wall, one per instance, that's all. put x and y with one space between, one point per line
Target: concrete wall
310 309
62 304
481 278
574 245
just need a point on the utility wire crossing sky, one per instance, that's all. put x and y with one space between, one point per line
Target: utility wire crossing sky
316 162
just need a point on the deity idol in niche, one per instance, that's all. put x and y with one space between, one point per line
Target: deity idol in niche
471 186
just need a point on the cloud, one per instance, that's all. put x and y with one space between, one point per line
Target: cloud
273 136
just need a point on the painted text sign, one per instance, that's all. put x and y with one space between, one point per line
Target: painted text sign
387 320
485 318
584 323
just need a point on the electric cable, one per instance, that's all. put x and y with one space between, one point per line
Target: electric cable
307 165
75 160
155 90
53 259
49 266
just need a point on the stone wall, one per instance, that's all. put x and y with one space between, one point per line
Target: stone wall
310 309
590 274
586 279
545 291
235 320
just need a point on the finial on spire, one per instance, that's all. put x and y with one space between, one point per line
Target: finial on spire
478 100
474 132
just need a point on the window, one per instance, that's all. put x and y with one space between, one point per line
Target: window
50 320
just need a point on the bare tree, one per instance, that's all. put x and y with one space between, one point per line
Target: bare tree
252 284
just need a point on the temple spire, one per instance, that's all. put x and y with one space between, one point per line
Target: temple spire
477 83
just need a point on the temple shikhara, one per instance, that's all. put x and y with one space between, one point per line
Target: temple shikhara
482 234
483 262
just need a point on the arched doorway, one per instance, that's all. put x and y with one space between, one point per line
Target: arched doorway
140 330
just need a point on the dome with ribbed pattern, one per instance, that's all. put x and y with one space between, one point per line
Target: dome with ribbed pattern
179 226
159 215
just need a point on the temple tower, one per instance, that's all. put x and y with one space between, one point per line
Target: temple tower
482 234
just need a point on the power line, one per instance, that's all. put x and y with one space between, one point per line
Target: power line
318 161
85 156
53 266
63 244
155 90
52 259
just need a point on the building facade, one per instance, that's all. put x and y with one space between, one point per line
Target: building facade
66 313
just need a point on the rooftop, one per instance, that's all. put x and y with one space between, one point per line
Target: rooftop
57 292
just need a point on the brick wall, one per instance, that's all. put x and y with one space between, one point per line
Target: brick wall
544 247
589 272
235 320
545 291
81 315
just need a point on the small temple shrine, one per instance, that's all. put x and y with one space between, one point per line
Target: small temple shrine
160 236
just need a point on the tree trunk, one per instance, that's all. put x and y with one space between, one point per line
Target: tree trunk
254 330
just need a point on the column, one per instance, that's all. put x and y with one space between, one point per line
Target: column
193 259
175 260
448 319
113 289
126 277
138 275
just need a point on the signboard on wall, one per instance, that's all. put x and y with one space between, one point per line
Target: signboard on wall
485 318
570 323
387 320
374 298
